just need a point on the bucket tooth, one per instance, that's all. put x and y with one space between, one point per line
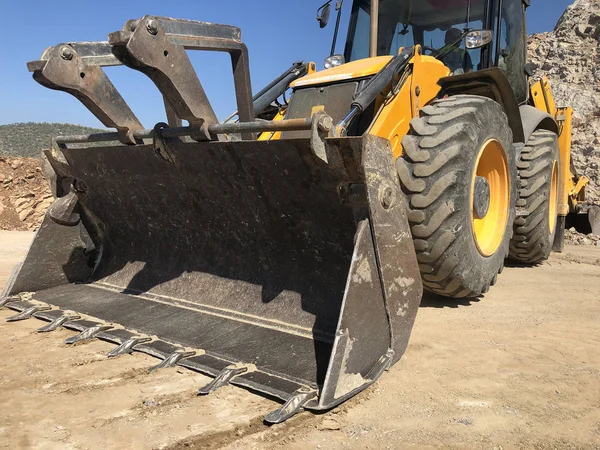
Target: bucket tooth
88 334
57 323
171 360
26 314
222 379
127 347
292 407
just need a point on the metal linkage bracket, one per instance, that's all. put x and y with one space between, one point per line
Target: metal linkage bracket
26 314
222 379
64 210
88 334
57 323
156 46
76 68
322 127
292 407
172 360
127 347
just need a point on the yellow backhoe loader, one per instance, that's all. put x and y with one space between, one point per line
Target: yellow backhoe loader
285 250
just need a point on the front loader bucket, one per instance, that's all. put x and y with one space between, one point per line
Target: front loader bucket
258 255
283 266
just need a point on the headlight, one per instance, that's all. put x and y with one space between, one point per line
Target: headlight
334 61
478 38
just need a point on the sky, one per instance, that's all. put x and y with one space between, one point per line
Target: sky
277 33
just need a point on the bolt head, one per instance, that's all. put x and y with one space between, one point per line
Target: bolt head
326 123
387 198
66 53
152 26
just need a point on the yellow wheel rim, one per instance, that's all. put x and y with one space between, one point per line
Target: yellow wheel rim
489 230
553 208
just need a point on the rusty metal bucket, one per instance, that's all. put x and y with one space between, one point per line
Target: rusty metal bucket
284 266
297 274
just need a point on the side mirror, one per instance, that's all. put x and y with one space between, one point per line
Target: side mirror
478 38
323 14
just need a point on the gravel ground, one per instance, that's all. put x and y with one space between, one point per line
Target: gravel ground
519 368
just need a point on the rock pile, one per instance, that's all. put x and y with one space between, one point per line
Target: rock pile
572 237
24 194
570 57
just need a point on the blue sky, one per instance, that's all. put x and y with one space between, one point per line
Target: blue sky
277 32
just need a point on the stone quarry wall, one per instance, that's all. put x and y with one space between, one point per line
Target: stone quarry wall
24 194
570 57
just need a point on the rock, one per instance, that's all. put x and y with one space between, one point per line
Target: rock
582 30
21 201
329 424
150 403
16 164
25 213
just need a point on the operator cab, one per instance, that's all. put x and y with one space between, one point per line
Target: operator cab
466 35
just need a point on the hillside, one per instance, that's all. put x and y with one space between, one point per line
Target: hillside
29 139
570 57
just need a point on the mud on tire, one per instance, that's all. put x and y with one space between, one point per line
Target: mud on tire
534 229
436 170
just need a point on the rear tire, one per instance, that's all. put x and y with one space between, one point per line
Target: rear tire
537 207
441 163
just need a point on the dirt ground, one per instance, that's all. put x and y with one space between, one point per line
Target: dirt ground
519 368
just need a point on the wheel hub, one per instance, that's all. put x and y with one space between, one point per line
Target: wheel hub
481 197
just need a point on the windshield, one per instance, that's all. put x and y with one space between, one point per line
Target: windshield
437 25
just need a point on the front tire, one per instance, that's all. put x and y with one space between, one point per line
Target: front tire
458 171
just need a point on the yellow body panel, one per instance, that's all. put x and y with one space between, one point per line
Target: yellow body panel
275 135
356 69
550 105
572 188
577 192
564 118
537 94
420 88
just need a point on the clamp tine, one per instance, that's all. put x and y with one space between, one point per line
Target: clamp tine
88 334
57 323
171 360
222 379
127 346
292 407
27 313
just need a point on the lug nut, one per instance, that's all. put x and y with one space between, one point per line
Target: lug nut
66 53
152 26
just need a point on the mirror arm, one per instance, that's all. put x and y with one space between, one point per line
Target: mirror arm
338 7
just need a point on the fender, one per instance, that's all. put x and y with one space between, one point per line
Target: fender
491 83
535 119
